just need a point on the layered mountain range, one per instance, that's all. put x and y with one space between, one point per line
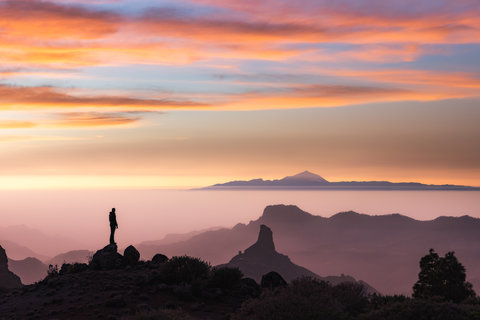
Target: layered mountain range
382 250
308 180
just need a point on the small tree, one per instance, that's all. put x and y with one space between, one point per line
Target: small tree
442 277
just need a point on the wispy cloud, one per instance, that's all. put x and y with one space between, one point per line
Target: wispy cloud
91 119
16 97
15 124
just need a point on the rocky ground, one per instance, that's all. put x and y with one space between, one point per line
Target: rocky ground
123 291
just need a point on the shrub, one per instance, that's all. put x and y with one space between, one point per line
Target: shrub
226 277
304 298
272 280
73 268
185 269
52 271
419 309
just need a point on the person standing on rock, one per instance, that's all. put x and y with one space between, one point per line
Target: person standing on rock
113 225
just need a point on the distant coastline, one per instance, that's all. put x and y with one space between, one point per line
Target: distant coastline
310 181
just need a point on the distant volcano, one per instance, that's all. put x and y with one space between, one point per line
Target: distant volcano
311 181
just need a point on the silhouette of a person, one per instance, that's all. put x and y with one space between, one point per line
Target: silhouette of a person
113 225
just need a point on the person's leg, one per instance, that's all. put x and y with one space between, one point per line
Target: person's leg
112 235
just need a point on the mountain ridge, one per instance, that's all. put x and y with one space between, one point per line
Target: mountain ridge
382 250
308 180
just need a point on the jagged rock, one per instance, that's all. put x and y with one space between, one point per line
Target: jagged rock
272 280
264 244
8 279
131 256
107 258
261 258
159 258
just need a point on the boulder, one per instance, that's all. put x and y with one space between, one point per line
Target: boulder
8 279
159 258
107 258
272 280
131 256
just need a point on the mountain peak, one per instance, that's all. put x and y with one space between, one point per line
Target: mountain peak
307 176
264 244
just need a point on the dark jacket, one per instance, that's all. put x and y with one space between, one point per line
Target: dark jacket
113 219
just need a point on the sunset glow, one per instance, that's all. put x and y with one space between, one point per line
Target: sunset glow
177 94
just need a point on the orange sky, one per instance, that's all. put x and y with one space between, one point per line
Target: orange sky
142 94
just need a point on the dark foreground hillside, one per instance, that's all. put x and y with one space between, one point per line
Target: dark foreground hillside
166 291
83 293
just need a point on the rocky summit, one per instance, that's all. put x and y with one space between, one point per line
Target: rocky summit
8 279
261 258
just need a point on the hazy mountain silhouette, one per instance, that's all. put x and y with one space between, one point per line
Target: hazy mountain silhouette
80 256
30 270
261 258
37 241
382 250
19 252
8 279
308 180
177 237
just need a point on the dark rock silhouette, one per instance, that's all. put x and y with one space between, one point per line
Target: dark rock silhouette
8 279
30 270
262 258
264 244
107 258
131 256
112 217
159 258
272 280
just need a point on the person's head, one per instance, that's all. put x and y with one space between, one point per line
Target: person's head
113 210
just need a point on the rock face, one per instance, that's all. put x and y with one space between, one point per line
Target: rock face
264 244
107 258
8 279
262 258
131 256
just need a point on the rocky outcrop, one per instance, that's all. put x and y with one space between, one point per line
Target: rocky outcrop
264 244
8 279
131 256
107 258
262 258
